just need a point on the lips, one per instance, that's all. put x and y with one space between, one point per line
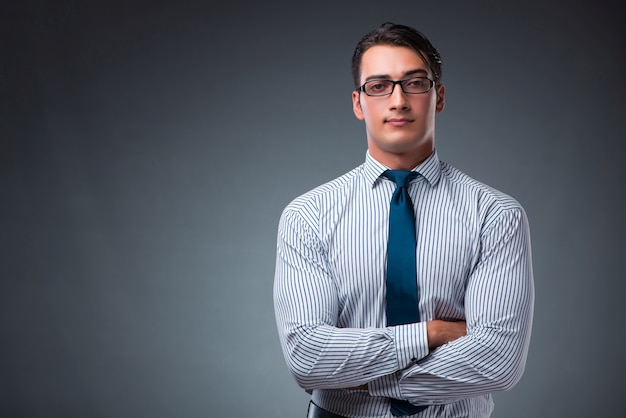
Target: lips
399 121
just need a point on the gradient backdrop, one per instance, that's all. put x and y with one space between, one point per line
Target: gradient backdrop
148 149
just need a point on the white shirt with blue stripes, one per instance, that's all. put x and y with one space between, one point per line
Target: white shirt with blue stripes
473 264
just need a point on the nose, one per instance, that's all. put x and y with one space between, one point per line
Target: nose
398 99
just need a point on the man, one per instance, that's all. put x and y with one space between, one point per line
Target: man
469 263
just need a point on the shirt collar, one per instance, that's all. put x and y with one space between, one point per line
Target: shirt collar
430 169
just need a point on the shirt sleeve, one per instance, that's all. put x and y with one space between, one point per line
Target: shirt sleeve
499 309
319 354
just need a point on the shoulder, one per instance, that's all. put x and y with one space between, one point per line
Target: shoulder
326 194
488 202
461 181
302 216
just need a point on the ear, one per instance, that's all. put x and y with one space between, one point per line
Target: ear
441 99
356 105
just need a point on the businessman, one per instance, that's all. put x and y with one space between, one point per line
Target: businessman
403 287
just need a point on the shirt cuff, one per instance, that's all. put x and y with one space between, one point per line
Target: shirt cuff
411 342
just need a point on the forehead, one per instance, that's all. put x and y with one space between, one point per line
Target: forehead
390 61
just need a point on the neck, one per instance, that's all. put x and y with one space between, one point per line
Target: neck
401 161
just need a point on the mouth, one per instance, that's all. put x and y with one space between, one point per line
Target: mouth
398 122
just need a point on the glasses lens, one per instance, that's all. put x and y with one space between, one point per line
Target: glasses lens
378 87
416 85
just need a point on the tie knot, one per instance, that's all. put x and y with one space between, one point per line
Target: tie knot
400 177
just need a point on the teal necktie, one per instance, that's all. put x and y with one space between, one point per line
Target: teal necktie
402 296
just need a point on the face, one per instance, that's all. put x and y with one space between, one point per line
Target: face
400 127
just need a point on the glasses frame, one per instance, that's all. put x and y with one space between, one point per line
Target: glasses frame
393 86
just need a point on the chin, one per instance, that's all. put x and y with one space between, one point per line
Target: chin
400 142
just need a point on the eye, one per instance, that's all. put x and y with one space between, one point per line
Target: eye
416 82
416 85
378 87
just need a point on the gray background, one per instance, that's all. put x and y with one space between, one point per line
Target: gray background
148 149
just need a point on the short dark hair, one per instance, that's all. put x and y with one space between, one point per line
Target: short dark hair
397 35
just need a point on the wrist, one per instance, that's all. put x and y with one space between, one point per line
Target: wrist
441 332
433 334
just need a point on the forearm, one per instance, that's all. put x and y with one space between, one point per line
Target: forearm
327 357
438 333
484 361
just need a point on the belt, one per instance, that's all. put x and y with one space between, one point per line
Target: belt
317 412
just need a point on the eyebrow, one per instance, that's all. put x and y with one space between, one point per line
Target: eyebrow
420 71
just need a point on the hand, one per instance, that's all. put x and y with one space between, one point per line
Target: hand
442 332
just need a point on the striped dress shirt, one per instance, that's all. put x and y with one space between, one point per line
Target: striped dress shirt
473 264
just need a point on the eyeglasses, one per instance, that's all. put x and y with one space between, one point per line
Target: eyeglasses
413 85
